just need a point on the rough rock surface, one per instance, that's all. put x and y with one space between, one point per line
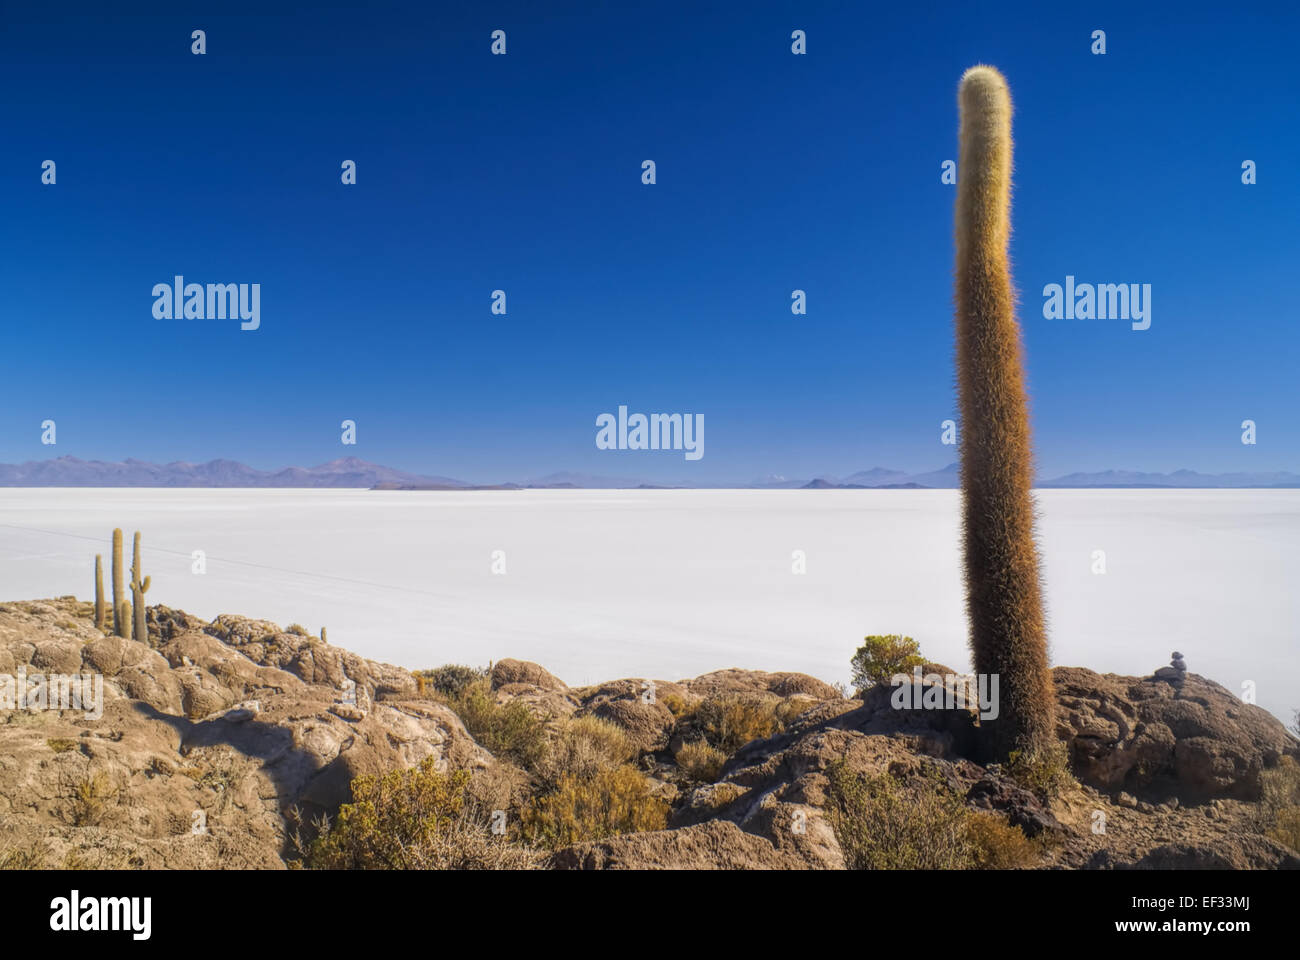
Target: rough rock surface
1189 735
223 726
717 845
233 725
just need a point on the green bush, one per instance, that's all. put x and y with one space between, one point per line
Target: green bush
880 657
449 680
609 803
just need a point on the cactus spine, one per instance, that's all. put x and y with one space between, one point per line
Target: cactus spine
121 624
99 591
1008 635
139 587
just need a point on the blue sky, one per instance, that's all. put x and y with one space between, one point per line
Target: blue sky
523 172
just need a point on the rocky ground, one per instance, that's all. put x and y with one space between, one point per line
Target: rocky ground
238 726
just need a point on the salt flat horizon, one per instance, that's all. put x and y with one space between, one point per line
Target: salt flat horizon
602 584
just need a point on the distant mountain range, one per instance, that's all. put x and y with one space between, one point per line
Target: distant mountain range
351 472
71 472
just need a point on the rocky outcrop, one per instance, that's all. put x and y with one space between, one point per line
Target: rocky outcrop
217 740
211 736
1180 734
758 681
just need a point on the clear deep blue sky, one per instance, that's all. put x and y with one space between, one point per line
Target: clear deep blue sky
523 172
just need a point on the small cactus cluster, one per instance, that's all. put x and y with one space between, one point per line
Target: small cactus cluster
123 619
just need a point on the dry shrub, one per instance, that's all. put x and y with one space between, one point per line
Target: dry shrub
585 746
885 823
700 761
1279 815
732 720
611 802
997 845
417 819
92 796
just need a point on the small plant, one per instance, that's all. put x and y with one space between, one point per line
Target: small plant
700 761
612 802
506 730
297 629
61 744
34 856
1279 808
90 797
1286 828
677 704
882 656
1045 773
997 845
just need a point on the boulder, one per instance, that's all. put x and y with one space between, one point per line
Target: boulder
1189 736
523 671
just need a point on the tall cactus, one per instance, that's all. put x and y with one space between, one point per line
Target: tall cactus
1008 634
121 623
139 587
99 591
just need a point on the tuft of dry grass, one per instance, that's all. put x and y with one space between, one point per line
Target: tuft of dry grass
609 803
730 721
1279 808
92 796
885 823
700 761
585 746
